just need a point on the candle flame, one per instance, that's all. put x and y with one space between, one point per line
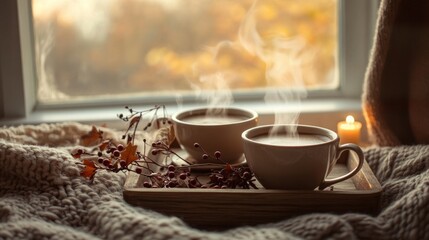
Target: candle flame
350 119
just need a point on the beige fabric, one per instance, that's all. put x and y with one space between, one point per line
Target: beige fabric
396 89
42 196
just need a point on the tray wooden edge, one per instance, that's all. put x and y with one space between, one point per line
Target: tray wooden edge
220 214
365 182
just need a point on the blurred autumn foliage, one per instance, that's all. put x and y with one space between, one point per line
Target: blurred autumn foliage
149 46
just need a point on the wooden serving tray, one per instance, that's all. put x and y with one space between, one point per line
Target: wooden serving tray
227 208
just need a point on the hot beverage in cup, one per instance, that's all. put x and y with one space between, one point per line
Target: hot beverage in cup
295 161
213 120
214 130
291 140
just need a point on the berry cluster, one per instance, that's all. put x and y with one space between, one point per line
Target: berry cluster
229 177
171 177
115 157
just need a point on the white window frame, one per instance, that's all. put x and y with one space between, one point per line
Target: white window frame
18 76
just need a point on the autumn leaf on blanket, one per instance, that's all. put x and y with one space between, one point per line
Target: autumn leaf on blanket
89 170
92 137
129 154
104 144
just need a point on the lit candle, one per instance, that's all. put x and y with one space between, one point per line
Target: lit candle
349 130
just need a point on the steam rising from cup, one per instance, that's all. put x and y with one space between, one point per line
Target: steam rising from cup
283 58
218 94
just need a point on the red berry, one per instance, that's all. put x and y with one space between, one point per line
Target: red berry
196 145
171 168
217 154
192 181
80 151
139 170
205 156
247 175
116 153
120 147
172 184
123 163
183 176
171 174
100 160
99 154
106 162
147 184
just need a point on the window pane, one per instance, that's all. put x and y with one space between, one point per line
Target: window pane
93 48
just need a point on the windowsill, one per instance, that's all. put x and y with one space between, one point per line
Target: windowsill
322 112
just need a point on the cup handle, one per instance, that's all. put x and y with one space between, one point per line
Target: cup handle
350 147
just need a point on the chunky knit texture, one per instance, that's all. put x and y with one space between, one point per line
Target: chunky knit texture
42 196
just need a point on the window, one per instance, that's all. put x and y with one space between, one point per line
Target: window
90 49
66 57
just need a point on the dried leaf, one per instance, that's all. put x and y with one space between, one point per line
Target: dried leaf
78 153
104 145
89 170
228 169
133 121
129 154
92 137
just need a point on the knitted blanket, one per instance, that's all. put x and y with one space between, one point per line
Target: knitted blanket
43 196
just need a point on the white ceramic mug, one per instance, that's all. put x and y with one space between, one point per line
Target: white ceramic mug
217 129
300 162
